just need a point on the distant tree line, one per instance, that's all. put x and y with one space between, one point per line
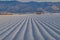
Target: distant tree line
5 13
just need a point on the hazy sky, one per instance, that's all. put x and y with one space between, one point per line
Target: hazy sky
34 0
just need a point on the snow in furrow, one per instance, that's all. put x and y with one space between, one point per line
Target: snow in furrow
13 33
20 34
4 21
28 34
54 23
9 23
37 35
50 31
43 31
30 27
10 26
51 26
6 32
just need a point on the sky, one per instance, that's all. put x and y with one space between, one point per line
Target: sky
34 0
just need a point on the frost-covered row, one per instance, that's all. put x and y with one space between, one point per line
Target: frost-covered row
30 27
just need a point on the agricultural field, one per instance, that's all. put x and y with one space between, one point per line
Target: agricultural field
30 27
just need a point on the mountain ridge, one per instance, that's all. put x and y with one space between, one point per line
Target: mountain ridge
23 7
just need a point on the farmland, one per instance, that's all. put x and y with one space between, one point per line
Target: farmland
30 27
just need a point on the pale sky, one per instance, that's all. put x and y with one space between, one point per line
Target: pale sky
34 0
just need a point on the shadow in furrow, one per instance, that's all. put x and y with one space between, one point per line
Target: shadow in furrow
9 36
54 25
43 31
36 34
50 31
54 29
5 33
7 23
21 32
51 27
28 33
7 26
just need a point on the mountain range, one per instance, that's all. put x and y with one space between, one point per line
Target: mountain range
30 7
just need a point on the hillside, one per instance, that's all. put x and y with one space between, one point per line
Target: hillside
30 7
